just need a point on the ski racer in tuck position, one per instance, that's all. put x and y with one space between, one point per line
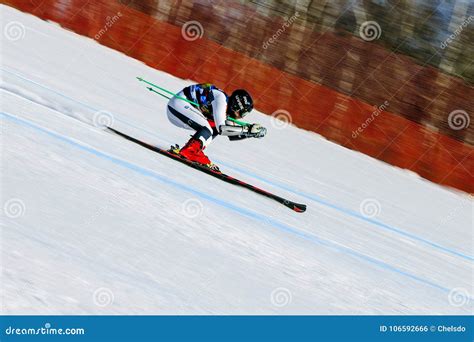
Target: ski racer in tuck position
216 115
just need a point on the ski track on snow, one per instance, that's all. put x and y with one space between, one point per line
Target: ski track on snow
242 211
309 196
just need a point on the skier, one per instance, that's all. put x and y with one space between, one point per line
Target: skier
211 118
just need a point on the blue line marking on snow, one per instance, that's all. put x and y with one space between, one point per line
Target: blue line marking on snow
350 212
259 217
85 105
282 186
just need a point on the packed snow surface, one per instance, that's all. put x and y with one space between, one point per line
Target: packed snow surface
94 224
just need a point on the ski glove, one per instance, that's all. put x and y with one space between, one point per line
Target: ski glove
249 131
256 131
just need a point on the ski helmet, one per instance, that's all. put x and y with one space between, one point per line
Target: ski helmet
240 102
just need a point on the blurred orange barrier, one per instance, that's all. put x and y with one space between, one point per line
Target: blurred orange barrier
347 121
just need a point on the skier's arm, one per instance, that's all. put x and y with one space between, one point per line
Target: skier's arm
219 106
242 132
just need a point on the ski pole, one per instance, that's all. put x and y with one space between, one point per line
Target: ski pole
153 90
154 85
166 91
241 123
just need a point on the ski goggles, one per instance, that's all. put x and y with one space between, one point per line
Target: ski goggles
239 111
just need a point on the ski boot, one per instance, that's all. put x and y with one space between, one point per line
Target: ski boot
193 151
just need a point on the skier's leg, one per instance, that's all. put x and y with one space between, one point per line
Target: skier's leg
186 116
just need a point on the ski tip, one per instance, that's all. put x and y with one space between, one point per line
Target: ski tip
299 208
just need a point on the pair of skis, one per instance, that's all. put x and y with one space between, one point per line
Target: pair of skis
300 208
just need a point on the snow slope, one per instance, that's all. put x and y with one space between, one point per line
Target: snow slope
93 224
